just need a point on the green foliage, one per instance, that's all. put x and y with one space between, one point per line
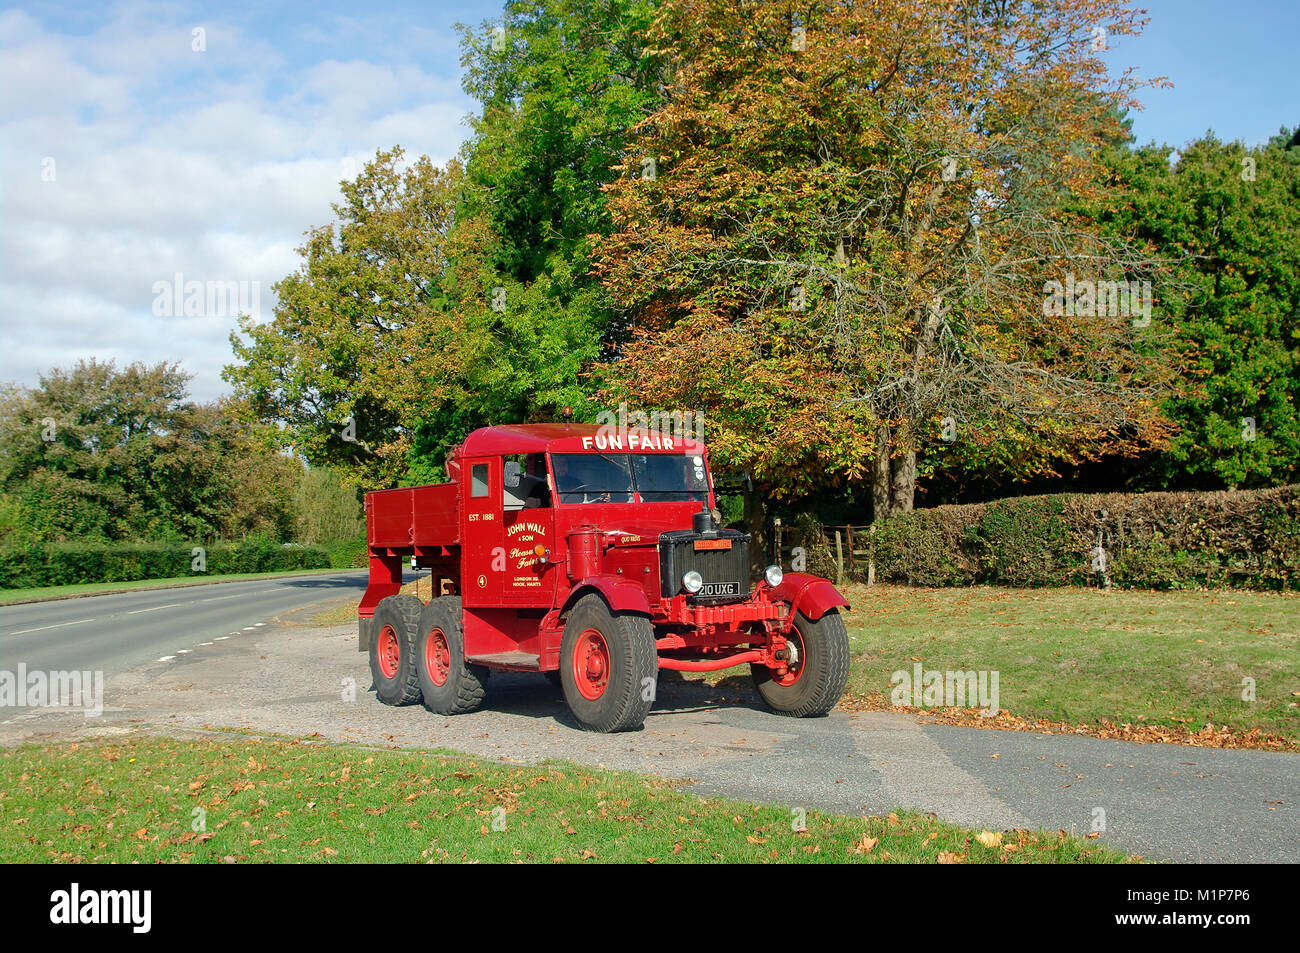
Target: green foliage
61 564
558 102
446 299
348 553
325 509
1230 216
1248 539
1019 540
94 453
922 548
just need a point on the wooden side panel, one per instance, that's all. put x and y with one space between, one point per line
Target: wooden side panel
436 513
388 518
414 516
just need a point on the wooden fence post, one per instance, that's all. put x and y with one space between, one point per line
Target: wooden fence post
839 560
871 555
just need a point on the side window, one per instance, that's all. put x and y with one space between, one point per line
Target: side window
525 482
478 480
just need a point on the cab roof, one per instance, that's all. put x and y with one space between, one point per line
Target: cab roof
571 438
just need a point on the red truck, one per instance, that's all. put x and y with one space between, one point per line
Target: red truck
596 557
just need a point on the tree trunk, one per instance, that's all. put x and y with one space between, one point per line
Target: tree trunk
904 483
894 480
756 522
880 482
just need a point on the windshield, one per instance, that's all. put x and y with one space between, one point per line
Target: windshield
623 477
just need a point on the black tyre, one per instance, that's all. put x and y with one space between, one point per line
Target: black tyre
608 666
814 685
392 656
448 684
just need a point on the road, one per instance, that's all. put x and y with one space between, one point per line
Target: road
114 633
289 676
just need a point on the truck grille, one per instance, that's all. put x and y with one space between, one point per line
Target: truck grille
725 570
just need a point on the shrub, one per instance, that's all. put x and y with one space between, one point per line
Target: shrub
1244 538
62 564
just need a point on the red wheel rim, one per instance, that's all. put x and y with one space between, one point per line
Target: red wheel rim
437 657
792 674
389 651
591 664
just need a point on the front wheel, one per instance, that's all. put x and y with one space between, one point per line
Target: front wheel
608 664
818 674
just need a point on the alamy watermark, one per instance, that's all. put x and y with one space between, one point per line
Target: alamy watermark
178 298
934 689
1089 298
59 689
637 429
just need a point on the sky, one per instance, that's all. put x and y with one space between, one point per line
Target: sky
149 150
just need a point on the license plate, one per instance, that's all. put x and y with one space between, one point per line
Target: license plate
702 544
720 589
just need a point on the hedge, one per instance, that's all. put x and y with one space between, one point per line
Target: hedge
62 564
348 553
1245 538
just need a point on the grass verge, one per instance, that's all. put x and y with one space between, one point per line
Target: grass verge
1169 660
142 799
49 593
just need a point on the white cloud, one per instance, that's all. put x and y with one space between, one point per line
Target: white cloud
167 161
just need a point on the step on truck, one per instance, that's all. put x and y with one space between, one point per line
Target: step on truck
592 556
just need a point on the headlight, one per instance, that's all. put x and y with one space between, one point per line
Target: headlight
693 581
773 575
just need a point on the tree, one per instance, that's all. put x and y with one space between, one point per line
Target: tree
365 335
561 83
448 299
100 453
847 246
1229 215
325 509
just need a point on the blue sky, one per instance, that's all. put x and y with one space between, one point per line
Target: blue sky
128 157
1233 66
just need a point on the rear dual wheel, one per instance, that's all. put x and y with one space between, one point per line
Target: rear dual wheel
392 653
448 683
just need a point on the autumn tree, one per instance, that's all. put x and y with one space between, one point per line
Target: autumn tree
837 236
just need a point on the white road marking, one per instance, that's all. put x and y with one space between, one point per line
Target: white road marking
257 624
171 605
167 658
221 638
205 643
183 651
249 628
59 625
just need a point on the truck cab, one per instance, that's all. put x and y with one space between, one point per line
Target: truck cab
593 553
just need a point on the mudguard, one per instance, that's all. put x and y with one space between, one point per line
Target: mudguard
811 595
622 595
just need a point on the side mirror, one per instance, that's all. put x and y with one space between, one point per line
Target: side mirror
512 473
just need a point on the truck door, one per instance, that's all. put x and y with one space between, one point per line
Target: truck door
529 522
483 562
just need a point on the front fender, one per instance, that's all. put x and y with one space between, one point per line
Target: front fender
811 595
622 595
